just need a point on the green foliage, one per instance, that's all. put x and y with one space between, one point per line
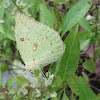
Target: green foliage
73 84
96 55
85 24
0 78
9 83
62 81
70 59
65 96
21 81
74 15
46 16
85 91
84 39
3 67
90 66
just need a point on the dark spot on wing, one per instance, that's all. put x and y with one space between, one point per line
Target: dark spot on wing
50 43
22 39
34 62
35 21
51 51
28 28
46 37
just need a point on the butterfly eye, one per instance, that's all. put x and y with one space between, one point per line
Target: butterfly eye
51 51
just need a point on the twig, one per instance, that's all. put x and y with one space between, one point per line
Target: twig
88 48
89 74
95 88
94 79
59 90
16 5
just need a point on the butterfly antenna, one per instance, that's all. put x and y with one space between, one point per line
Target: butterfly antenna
41 72
39 69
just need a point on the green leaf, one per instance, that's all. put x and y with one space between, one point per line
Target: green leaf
44 99
85 77
57 82
55 99
84 39
74 15
83 36
52 68
5 57
59 94
55 66
21 81
0 78
90 66
84 24
46 16
60 2
65 96
9 26
73 84
58 15
84 44
96 55
29 2
72 97
3 67
69 61
98 96
1 29
2 36
9 83
2 9
34 10
85 92
58 21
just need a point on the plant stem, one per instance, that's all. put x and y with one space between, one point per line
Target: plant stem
16 5
97 19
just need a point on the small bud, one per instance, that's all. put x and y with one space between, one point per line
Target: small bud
32 85
47 95
22 92
24 86
54 94
38 94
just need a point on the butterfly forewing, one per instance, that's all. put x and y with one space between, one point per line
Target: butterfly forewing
38 44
